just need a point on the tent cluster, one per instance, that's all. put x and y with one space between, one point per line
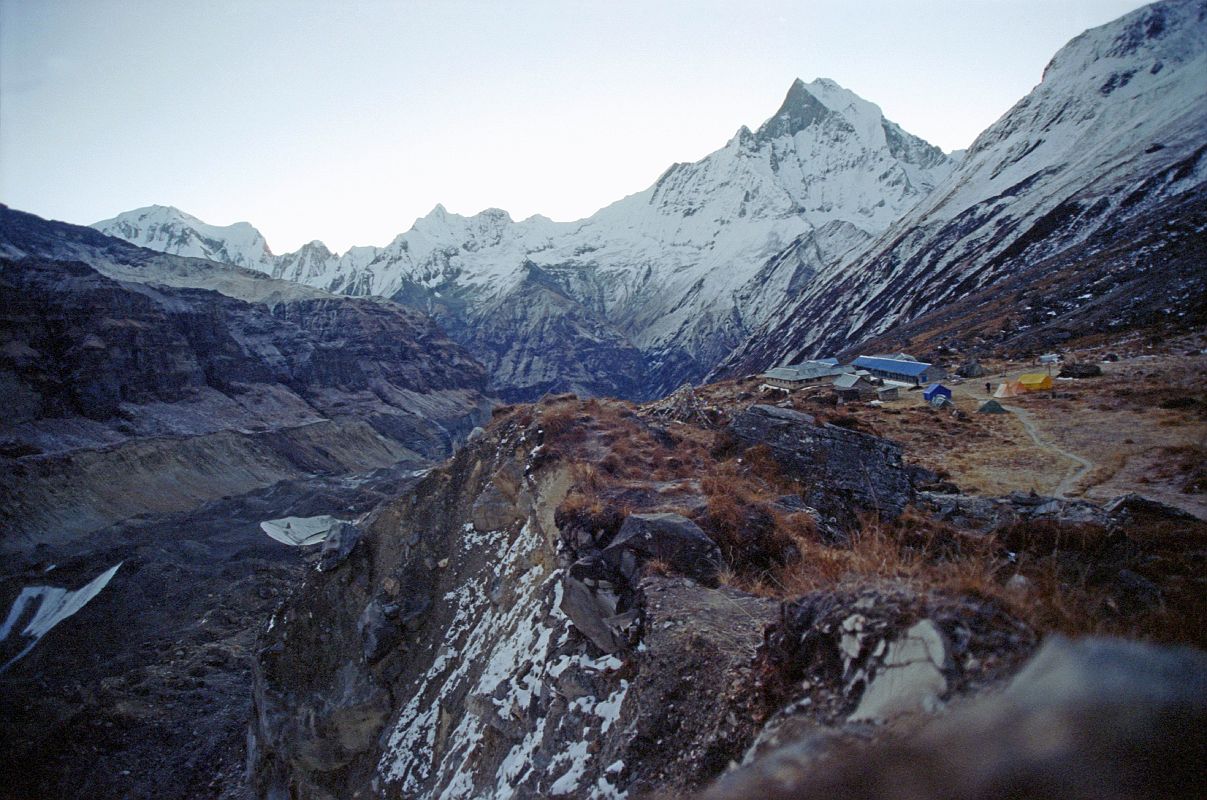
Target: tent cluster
1029 382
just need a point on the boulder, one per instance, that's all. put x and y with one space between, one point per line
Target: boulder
971 370
1089 718
591 598
493 511
842 471
670 538
338 545
1079 370
1093 671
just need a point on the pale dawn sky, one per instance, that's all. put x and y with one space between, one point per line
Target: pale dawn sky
344 121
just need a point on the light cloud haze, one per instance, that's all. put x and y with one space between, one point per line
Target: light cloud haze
346 121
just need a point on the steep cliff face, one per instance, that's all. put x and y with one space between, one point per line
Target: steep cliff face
1080 209
440 660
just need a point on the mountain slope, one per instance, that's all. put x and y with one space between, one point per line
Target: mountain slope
125 393
157 409
1109 147
170 230
668 280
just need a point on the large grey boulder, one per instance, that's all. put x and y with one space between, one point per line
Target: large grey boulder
1089 719
670 538
338 545
841 471
590 598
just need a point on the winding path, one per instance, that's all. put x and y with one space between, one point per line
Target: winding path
1084 465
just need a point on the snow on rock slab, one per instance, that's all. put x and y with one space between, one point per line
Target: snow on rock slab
47 606
299 531
911 677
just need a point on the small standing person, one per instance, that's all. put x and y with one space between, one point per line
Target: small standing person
988 388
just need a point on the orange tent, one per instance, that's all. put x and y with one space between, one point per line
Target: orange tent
1035 381
1011 389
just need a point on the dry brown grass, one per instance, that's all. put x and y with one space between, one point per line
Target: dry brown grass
1061 587
624 462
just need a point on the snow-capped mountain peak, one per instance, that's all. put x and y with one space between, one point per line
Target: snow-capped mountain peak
170 230
680 271
1107 150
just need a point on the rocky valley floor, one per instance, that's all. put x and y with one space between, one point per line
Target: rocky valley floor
147 691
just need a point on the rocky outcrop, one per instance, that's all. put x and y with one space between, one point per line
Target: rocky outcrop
993 514
1080 370
988 514
842 472
338 546
601 594
496 686
1094 718
542 631
671 539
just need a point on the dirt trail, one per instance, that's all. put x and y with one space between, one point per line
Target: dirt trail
1084 465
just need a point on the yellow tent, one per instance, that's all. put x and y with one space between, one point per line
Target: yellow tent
1035 381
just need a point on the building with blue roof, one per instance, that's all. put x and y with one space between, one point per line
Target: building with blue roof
896 369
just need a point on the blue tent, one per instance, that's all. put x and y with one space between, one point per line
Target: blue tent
936 390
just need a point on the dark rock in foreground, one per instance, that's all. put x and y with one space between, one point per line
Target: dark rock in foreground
842 471
1093 718
672 539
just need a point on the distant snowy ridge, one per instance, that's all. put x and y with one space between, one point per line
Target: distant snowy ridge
1113 136
662 284
170 230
